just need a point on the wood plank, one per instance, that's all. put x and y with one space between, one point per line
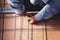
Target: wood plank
8 35
9 21
53 28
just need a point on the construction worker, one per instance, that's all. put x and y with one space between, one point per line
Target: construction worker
49 10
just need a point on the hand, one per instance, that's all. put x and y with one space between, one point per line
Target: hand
32 20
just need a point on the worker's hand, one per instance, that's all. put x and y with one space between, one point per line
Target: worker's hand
32 20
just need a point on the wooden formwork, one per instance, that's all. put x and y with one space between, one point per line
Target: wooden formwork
14 27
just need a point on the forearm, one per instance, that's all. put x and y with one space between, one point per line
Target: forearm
35 2
46 12
17 5
46 1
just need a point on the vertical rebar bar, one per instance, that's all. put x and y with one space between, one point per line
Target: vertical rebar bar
42 31
46 31
2 5
31 31
15 28
21 30
28 29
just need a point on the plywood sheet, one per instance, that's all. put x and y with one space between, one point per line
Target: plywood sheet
0 35
8 35
9 21
53 28
24 30
53 35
